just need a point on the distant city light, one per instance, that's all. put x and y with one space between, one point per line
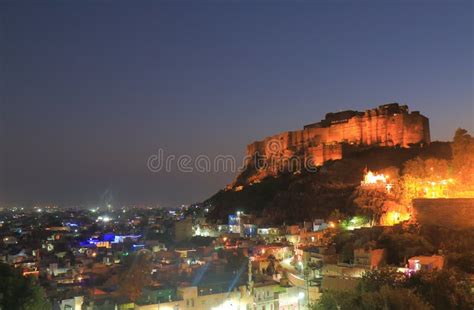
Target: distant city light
104 219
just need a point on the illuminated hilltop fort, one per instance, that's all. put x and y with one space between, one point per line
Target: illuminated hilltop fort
387 125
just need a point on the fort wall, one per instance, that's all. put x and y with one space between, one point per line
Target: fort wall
387 125
447 212
318 155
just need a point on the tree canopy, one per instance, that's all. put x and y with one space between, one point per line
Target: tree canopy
463 158
18 292
388 289
136 273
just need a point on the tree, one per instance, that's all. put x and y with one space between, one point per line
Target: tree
336 216
373 280
427 169
401 246
371 202
463 158
380 206
445 289
235 260
388 289
419 175
393 298
386 298
336 300
18 292
135 274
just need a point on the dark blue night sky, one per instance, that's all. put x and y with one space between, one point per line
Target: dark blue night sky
91 89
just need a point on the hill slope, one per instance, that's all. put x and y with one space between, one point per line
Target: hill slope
291 198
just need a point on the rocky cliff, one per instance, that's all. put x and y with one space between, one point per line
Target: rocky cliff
294 197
